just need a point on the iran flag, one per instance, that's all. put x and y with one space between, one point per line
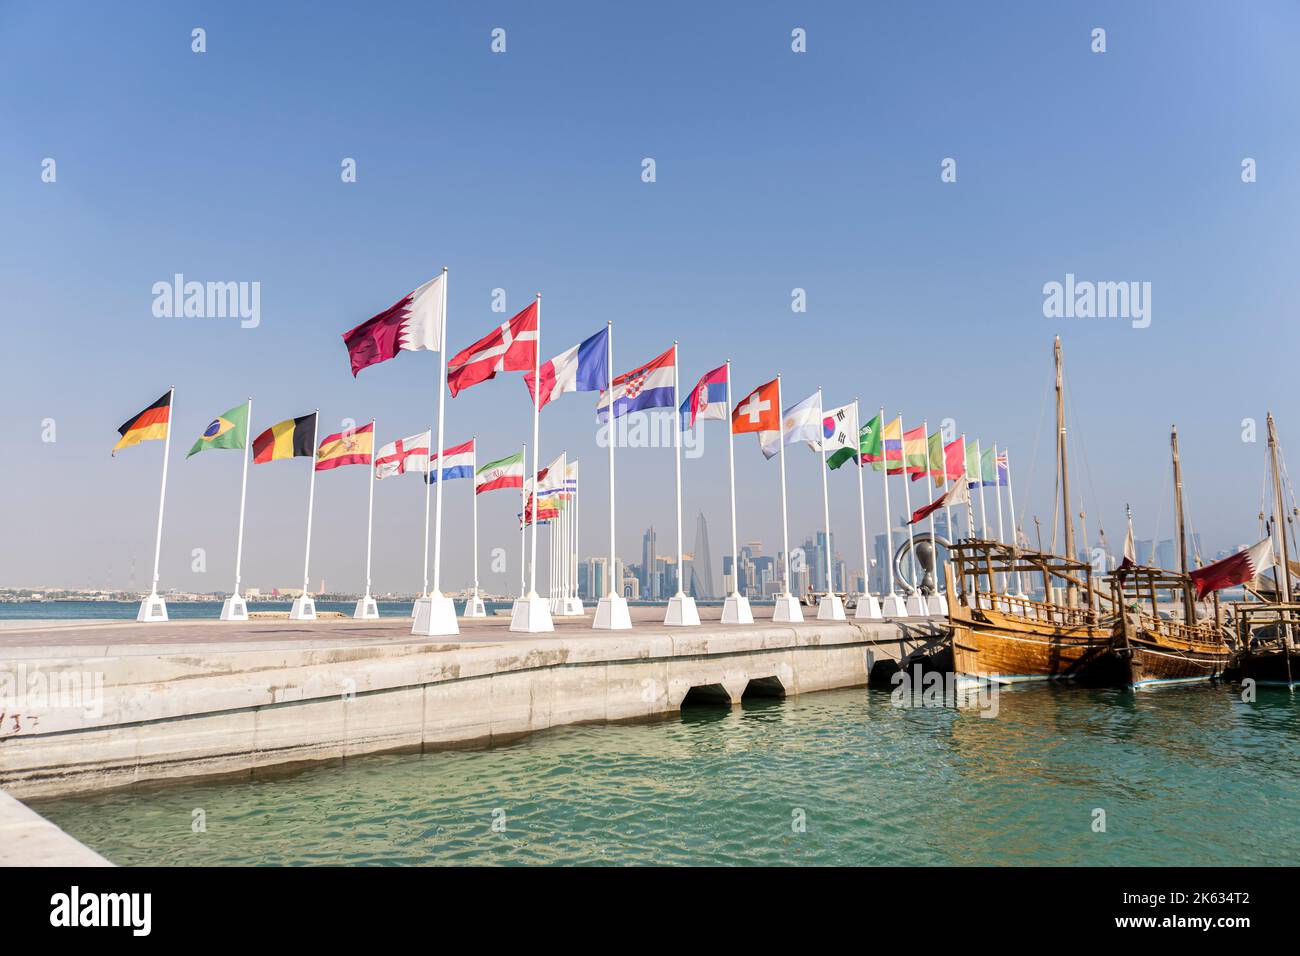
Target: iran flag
1237 569
958 494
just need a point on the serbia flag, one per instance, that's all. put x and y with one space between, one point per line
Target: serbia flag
708 399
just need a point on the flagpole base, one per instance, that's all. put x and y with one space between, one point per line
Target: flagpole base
830 608
304 609
435 616
555 605
868 608
531 615
152 608
366 609
415 608
938 605
474 607
787 610
612 614
682 612
917 606
893 606
234 608
572 607
736 610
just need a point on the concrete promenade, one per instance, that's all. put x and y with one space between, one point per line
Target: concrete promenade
92 706
28 839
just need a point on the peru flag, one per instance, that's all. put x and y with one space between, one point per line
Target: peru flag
1236 569
583 368
412 323
958 494
512 347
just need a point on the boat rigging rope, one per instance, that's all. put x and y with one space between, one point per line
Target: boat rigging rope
1018 521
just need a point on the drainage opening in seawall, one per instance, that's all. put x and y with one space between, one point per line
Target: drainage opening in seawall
707 695
764 687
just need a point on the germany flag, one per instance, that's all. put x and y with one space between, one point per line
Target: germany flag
291 438
149 424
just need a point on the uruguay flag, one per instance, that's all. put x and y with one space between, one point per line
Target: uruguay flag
708 400
455 462
649 386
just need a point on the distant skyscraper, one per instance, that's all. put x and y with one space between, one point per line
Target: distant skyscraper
649 566
702 561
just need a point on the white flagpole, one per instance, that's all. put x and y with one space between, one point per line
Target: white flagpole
907 503
736 608
523 526
826 495
573 550
889 521
153 607
243 494
1011 503
537 391
304 606
370 508
428 467
609 357
677 454
862 500
970 505
442 401
473 490
997 491
787 606
979 459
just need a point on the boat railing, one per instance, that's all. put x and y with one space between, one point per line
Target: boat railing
1032 610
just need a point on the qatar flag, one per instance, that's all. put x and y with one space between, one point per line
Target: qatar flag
958 494
1233 570
412 323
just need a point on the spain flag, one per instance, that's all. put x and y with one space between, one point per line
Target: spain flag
148 425
353 447
291 438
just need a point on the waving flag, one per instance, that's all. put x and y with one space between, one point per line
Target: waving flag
412 323
958 494
916 452
647 386
227 430
148 425
1237 569
954 461
352 447
891 460
583 368
455 462
973 464
404 455
707 400
502 473
802 422
758 411
840 435
290 438
994 472
550 482
512 347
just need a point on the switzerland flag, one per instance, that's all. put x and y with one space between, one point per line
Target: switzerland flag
759 411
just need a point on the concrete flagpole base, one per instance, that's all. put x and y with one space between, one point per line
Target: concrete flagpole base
894 605
234 608
304 609
474 607
830 608
787 610
682 612
612 614
572 607
916 605
938 605
736 610
868 608
435 616
532 615
415 608
152 608
555 605
366 609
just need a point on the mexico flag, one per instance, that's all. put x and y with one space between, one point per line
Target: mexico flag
147 425
1239 568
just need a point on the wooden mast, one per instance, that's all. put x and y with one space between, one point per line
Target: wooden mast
1189 606
1072 589
1279 520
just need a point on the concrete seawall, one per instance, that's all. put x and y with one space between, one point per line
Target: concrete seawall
163 702
28 839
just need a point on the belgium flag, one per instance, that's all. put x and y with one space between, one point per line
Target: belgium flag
149 424
291 438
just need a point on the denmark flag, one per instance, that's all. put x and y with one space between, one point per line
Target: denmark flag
512 347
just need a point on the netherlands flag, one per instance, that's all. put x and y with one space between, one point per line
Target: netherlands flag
648 386
708 400
455 462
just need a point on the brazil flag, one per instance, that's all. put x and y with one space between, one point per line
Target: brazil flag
228 430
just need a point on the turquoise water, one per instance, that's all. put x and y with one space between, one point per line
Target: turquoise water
1184 775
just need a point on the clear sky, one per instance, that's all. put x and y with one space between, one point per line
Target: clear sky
522 170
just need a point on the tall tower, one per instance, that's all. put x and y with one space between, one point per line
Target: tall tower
649 566
702 564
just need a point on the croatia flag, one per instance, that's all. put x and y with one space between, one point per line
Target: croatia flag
1238 569
583 368
649 386
708 400
455 462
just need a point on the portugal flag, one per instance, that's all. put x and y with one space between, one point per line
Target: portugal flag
353 447
147 425
291 438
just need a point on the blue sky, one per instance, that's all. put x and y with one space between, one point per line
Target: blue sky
522 171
